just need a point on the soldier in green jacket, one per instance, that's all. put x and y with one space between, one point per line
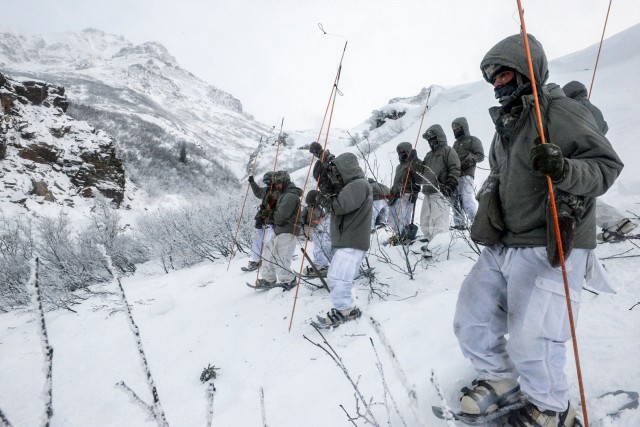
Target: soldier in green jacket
511 316
470 152
440 173
350 202
264 218
279 250
615 225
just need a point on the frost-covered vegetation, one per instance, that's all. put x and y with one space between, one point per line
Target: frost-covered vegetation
71 257
155 159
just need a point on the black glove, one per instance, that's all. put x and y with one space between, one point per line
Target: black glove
251 180
467 163
324 201
447 190
393 197
547 159
413 155
316 149
413 197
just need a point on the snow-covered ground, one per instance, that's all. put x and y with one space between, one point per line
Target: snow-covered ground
206 315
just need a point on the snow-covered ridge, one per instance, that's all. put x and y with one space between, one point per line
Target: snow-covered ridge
143 84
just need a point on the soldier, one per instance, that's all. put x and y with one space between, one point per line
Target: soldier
470 151
264 218
440 170
404 192
347 195
318 228
279 251
515 288
615 225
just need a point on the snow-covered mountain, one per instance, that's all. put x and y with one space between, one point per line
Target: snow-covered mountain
152 107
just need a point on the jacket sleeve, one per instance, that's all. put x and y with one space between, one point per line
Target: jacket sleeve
591 163
352 196
416 175
476 150
285 208
258 191
453 168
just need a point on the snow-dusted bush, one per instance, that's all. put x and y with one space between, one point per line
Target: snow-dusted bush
70 257
178 237
16 249
105 230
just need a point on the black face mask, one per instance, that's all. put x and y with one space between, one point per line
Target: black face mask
402 156
458 132
504 92
433 143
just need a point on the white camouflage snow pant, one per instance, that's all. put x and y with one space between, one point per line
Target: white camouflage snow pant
342 270
465 205
434 215
321 238
277 256
400 213
259 241
515 291
606 215
379 208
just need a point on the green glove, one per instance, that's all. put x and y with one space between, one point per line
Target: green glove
548 160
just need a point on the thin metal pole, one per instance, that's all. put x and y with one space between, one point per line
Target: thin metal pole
599 49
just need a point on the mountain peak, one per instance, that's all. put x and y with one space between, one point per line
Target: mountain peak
148 49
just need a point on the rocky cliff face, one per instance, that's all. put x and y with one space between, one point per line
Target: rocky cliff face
47 156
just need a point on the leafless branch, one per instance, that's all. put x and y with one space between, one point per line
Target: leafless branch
48 350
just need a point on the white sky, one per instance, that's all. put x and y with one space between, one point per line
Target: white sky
272 56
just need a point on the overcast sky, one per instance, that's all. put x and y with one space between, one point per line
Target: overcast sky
272 56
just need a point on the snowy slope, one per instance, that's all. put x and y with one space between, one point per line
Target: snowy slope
205 315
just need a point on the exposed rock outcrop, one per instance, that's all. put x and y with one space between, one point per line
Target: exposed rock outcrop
48 155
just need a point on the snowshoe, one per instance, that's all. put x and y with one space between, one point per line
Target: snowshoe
336 318
617 233
262 284
495 418
309 271
426 252
287 286
530 416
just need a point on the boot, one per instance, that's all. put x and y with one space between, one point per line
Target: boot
488 396
309 271
322 271
426 252
262 283
337 317
287 286
252 266
568 417
531 416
